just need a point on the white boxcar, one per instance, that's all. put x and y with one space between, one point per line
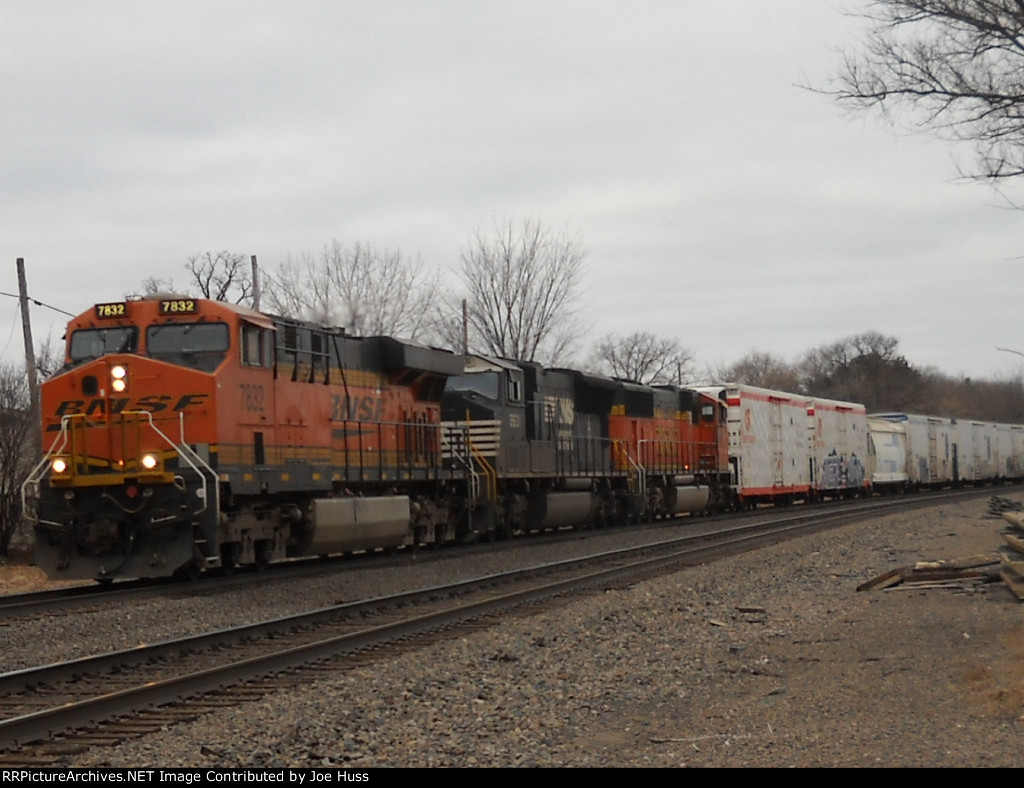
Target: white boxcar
932 448
1003 451
964 457
769 446
979 455
838 434
887 454
1014 461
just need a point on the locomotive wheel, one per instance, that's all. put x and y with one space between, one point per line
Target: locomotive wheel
190 571
264 549
230 552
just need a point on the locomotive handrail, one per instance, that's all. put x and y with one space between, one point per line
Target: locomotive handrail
189 454
30 486
36 474
462 431
184 450
415 442
641 467
489 472
641 472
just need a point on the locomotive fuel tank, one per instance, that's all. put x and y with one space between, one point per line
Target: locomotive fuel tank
552 509
687 497
342 525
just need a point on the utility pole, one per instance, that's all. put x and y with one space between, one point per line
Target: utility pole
255 284
30 359
465 328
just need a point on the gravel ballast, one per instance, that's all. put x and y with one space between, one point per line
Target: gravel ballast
771 658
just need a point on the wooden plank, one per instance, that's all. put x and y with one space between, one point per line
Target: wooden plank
1013 561
974 561
890 578
1016 542
940 575
1015 519
1014 582
959 584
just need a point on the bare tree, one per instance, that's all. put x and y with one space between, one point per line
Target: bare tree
297 288
762 369
221 276
49 357
984 400
17 434
152 285
380 291
865 368
953 67
521 290
369 291
644 358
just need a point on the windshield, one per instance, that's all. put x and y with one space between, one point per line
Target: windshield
95 342
174 339
485 383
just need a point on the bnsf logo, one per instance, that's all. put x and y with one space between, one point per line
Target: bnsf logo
356 408
154 404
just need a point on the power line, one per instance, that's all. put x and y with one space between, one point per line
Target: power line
38 303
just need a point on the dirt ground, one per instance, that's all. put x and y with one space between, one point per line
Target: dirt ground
18 576
768 659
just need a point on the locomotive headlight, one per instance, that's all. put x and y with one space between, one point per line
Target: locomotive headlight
149 461
59 465
119 378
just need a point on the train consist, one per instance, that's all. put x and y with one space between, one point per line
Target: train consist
184 434
913 451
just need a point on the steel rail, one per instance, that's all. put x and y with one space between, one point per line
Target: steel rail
74 714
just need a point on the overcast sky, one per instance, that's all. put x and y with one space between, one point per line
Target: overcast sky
719 202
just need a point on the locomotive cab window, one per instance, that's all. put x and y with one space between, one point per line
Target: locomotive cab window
199 345
95 342
257 345
482 383
515 386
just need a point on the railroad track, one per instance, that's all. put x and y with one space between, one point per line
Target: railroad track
53 711
57 601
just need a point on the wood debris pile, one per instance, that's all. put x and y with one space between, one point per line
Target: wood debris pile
1007 565
1012 553
960 573
998 505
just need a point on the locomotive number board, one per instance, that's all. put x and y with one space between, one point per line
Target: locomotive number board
179 306
105 311
174 306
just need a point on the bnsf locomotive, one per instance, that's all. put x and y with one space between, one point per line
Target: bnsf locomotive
184 434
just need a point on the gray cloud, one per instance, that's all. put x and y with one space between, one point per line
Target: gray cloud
721 203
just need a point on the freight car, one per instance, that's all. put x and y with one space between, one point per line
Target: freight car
918 452
184 434
787 447
887 455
